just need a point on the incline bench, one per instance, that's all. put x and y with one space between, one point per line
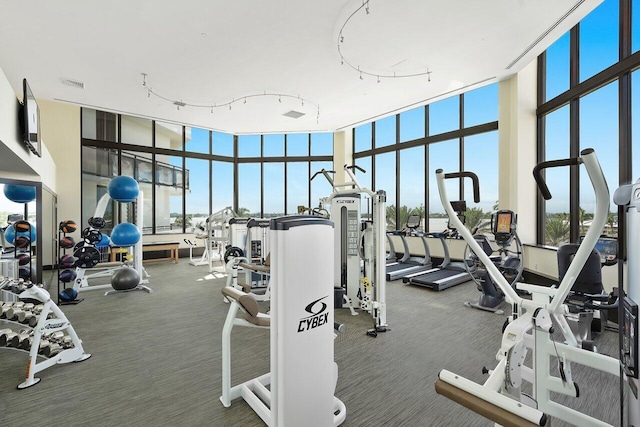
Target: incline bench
172 247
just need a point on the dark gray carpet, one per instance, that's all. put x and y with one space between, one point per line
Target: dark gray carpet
156 361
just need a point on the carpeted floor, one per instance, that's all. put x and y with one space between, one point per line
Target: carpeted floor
156 360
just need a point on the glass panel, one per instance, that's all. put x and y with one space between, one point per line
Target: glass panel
222 144
481 105
635 123
273 189
98 167
363 138
385 131
412 124
197 203
442 155
297 145
298 186
481 158
99 125
136 131
411 183
599 130
196 140
635 26
320 187
444 116
557 221
248 146
273 145
365 180
322 144
599 39
385 179
557 77
143 173
168 200
169 135
222 191
249 185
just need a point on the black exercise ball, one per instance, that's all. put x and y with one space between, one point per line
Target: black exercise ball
67 276
125 279
68 294
23 259
67 242
24 273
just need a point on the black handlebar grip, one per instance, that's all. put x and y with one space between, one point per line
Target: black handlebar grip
537 175
474 179
355 167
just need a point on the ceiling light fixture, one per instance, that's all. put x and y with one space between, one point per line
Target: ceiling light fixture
179 104
358 68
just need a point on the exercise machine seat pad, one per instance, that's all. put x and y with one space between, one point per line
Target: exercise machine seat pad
249 306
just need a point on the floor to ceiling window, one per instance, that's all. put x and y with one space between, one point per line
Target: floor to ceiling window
187 173
588 100
401 154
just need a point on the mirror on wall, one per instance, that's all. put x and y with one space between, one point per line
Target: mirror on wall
28 226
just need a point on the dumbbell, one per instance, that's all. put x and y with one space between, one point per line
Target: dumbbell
17 340
26 344
34 319
27 314
8 306
51 350
3 336
6 338
14 312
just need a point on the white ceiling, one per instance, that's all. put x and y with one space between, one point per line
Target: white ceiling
210 52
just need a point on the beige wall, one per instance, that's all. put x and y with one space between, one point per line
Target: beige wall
61 124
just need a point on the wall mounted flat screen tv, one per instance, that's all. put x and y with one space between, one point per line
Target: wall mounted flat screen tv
30 120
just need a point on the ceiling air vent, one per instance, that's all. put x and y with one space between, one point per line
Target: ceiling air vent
294 114
545 33
73 83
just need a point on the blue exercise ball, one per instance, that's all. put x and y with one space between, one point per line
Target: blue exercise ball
123 189
9 234
104 242
125 234
125 279
20 193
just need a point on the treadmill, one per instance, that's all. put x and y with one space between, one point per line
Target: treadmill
448 273
409 264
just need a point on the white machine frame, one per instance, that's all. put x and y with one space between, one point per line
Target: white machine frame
530 329
45 327
214 244
83 285
368 293
303 373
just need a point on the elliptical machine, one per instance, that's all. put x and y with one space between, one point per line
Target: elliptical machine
509 262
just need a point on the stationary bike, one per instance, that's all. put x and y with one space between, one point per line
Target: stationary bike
509 262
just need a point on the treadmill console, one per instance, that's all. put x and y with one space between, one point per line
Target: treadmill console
503 226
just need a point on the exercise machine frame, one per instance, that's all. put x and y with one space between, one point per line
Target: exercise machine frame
531 326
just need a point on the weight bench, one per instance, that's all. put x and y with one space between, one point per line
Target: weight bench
172 247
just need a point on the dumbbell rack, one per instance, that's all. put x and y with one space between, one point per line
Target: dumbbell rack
51 321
